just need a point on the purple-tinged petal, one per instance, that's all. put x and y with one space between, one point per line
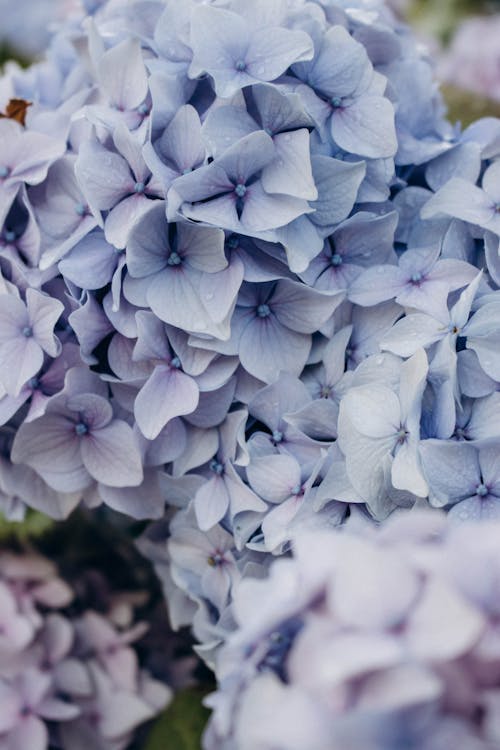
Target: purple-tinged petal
274 477
103 176
211 503
337 183
44 312
377 284
366 127
412 333
267 348
51 447
465 201
123 76
168 393
291 173
111 455
30 732
123 217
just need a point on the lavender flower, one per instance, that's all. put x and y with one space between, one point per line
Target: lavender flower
391 652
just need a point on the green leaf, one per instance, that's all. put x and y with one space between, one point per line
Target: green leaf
181 725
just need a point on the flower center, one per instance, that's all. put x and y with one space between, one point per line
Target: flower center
9 235
336 259
336 102
240 65
4 172
143 109
401 435
216 467
27 332
174 259
296 490
80 209
81 429
277 436
240 190
416 277
175 363
325 391
263 311
139 187
481 490
216 559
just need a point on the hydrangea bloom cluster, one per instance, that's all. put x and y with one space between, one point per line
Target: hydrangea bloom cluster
367 639
250 270
67 677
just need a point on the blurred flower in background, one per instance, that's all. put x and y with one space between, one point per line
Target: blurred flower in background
472 60
26 24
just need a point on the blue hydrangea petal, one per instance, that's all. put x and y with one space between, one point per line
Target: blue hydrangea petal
366 127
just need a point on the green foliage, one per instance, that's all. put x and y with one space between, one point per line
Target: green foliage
34 525
181 725
465 107
8 53
440 17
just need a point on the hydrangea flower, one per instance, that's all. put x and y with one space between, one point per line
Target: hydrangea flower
66 678
402 660
275 270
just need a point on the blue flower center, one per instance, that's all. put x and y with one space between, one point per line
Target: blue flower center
143 109
336 102
9 235
80 209
81 429
240 190
296 490
33 383
481 490
4 172
27 332
263 311
174 259
175 363
240 65
416 277
325 391
216 467
187 170
233 243
139 187
277 436
336 260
